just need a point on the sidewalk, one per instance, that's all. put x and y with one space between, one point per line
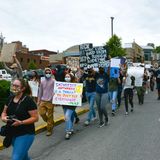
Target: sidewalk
58 119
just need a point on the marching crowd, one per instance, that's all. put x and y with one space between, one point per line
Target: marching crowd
21 110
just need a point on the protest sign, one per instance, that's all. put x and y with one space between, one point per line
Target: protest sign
139 76
137 72
34 87
114 72
92 57
8 50
72 62
67 93
115 62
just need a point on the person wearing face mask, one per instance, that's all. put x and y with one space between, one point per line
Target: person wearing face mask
45 95
69 111
20 113
15 69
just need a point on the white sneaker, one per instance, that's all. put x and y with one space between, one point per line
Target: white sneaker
126 113
94 118
86 123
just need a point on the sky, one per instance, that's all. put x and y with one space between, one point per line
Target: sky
56 25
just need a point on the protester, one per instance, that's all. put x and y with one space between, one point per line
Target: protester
145 81
157 75
36 80
113 90
90 80
20 113
46 108
15 69
120 88
102 96
128 91
69 111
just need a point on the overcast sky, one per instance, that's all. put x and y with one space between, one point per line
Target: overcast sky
59 24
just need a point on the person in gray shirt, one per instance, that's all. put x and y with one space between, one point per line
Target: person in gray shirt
15 69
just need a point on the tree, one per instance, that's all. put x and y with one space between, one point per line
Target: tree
32 65
157 50
114 47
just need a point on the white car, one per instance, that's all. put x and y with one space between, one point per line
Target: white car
4 75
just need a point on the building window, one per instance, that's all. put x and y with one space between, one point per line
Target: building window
34 61
28 60
40 61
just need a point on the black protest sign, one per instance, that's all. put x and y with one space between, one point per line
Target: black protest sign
92 57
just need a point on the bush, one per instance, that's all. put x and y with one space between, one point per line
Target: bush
4 93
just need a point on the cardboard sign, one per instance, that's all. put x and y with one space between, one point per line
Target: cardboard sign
115 62
67 93
137 72
92 57
8 50
114 72
34 87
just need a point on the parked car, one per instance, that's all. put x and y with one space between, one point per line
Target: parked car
4 75
28 74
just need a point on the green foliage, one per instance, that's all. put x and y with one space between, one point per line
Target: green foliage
1 65
4 93
32 65
114 47
157 50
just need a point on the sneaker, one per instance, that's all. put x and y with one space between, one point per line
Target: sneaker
106 122
67 136
94 118
126 113
101 124
113 113
131 109
86 123
77 120
48 133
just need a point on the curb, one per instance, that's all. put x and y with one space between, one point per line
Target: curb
58 121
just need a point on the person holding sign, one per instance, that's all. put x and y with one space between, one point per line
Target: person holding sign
69 111
102 96
128 91
45 95
15 69
90 80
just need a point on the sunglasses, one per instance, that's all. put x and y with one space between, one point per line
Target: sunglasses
48 73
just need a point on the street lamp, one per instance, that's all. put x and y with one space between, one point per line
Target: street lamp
112 26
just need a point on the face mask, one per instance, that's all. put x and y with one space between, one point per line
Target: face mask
67 79
48 75
15 91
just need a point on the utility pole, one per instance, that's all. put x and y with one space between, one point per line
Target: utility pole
112 26
1 41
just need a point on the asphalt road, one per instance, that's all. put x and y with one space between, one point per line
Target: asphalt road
132 137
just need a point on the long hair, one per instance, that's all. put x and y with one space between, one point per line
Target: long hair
24 83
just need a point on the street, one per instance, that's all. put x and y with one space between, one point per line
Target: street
132 137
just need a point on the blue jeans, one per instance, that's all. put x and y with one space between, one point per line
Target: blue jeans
102 101
21 145
113 99
91 99
69 119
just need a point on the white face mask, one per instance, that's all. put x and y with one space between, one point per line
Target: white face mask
48 75
67 79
